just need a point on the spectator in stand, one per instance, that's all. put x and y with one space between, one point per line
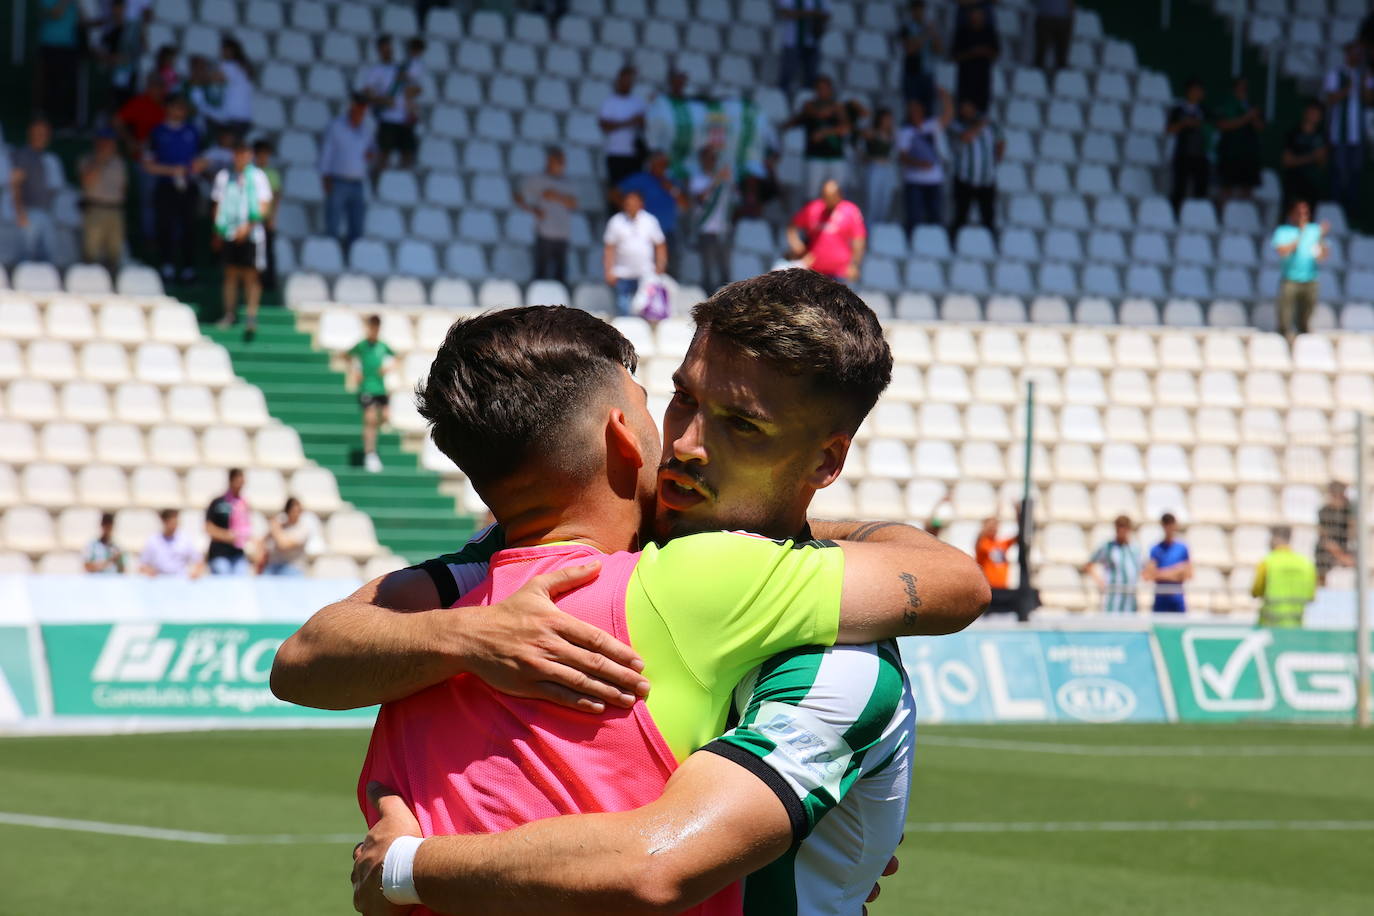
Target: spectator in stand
1188 126
103 556
622 121
218 157
205 93
104 185
1349 89
1238 151
290 536
390 89
344 155
828 235
1285 580
173 158
34 195
134 122
975 49
713 193
369 361
229 525
237 108
1303 158
262 158
825 124
880 167
1302 246
1115 567
1169 567
990 553
672 125
242 197
758 191
1053 31
635 249
920 40
978 148
1335 531
662 198
60 46
801 25
165 68
170 552
550 198
923 172
121 44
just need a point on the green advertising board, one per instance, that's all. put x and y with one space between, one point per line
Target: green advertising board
1232 673
168 669
17 699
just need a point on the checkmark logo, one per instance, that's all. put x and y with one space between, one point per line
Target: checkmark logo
1218 661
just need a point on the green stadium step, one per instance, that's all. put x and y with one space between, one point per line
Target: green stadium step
412 517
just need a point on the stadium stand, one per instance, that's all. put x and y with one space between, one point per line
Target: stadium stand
1156 392
119 403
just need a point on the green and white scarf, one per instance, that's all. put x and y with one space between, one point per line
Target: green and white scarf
239 204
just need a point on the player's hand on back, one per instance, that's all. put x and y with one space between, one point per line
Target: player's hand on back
526 647
370 855
890 869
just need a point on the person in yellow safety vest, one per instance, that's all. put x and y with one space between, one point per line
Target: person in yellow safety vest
1285 580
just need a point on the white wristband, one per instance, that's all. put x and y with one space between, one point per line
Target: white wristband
398 871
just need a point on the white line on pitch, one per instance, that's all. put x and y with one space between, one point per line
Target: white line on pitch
174 836
1134 826
1150 750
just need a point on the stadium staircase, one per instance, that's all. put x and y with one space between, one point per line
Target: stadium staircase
411 514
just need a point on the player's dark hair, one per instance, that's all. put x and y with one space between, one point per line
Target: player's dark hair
510 384
168 514
106 518
1168 519
374 321
234 472
808 325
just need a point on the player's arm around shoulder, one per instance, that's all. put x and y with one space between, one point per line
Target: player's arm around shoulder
901 581
398 635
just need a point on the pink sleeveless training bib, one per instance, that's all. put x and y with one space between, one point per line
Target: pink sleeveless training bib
468 759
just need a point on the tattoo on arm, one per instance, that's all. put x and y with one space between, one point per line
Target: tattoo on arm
866 531
913 600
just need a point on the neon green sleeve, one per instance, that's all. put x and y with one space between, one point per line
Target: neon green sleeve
728 601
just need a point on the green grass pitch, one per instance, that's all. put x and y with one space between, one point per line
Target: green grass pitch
1025 820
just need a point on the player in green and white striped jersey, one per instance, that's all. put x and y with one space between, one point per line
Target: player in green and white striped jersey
831 731
1115 566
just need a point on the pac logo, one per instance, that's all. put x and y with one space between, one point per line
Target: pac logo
1096 699
138 653
1228 669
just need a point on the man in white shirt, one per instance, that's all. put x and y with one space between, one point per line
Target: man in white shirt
170 552
243 199
347 148
1348 90
920 150
622 121
635 249
713 193
391 89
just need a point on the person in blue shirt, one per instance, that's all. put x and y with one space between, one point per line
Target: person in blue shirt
173 159
1169 567
662 199
1302 246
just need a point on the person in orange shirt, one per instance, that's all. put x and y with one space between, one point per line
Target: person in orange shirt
991 553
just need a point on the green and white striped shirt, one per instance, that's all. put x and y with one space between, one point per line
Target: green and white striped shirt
975 162
833 732
1121 568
